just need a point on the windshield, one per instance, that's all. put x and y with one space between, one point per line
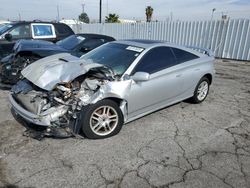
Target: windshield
70 42
4 28
118 57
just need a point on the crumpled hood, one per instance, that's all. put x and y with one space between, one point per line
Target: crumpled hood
49 71
32 45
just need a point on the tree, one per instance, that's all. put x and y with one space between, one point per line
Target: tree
149 13
83 17
112 18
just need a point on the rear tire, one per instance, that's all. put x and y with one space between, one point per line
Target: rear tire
201 90
101 120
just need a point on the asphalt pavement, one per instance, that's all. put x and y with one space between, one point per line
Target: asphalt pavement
184 145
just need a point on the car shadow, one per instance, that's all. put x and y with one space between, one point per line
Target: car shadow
5 86
34 131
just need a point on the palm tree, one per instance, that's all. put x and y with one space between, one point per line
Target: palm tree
149 13
112 18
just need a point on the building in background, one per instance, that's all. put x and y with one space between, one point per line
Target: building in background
3 22
127 21
71 21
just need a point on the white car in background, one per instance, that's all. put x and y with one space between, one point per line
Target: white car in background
3 22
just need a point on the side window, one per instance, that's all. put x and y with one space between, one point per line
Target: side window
43 31
93 43
155 60
21 31
183 56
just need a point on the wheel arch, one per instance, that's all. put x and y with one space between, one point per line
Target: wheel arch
209 77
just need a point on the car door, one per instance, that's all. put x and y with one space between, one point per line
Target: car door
21 31
163 85
189 65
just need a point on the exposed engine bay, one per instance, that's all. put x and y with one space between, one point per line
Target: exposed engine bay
59 109
13 65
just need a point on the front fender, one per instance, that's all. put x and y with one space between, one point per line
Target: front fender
115 89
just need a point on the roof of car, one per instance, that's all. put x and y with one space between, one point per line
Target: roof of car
90 35
152 43
142 43
35 21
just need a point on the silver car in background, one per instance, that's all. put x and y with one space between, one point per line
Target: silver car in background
109 86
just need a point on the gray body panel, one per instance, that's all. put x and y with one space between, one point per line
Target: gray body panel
167 87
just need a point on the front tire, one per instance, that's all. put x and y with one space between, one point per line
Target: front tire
101 120
201 91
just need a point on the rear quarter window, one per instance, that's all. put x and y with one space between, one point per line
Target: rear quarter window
183 56
40 31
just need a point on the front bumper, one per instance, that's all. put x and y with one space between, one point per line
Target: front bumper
44 119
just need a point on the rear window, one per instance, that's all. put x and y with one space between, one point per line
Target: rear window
71 42
182 56
43 31
63 29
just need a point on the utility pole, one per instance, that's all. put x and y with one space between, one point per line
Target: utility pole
212 15
19 15
58 16
83 5
100 12
209 39
107 7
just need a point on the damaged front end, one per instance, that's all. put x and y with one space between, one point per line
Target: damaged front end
59 109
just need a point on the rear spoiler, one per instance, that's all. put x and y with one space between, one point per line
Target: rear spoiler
202 50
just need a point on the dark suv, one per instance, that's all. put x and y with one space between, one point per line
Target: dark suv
14 31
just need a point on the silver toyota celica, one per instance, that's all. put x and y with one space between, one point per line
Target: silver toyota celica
114 84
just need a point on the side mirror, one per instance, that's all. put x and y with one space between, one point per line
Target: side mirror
140 76
8 37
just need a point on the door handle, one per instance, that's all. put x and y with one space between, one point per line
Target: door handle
196 69
178 75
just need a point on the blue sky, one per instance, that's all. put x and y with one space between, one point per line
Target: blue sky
127 9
